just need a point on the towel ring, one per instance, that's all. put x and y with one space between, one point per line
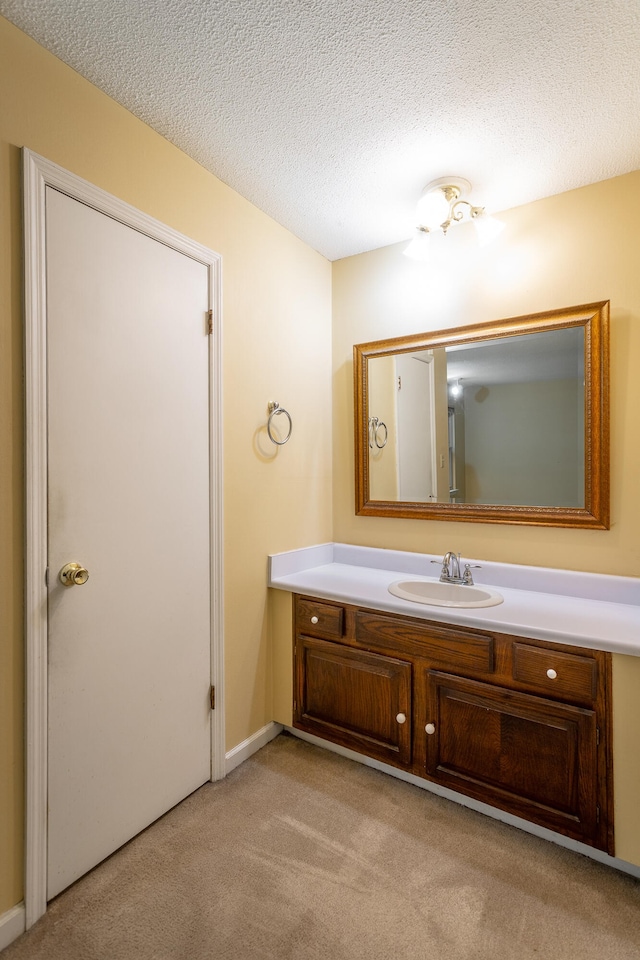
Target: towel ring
374 426
379 445
274 410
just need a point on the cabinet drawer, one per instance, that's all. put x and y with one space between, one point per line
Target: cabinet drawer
318 619
567 676
443 647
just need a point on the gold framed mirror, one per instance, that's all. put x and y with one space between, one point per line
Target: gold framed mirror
501 422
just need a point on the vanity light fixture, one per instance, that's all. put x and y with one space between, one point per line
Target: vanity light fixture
441 204
455 389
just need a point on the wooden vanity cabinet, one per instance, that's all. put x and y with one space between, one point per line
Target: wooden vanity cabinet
523 725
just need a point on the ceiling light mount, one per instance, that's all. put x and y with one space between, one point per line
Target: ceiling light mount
462 186
442 203
446 197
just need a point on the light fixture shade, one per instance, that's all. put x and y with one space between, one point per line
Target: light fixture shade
487 228
432 208
418 248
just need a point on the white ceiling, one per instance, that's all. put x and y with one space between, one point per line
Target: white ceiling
527 358
331 115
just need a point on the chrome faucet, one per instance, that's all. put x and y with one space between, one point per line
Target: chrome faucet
451 567
450 572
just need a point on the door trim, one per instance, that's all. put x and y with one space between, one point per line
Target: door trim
38 173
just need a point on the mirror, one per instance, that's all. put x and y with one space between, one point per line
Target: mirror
503 422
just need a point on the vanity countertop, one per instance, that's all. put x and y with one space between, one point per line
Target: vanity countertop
583 609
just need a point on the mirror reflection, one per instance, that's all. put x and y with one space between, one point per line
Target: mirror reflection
494 422
505 421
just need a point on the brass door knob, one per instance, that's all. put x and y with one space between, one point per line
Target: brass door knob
73 573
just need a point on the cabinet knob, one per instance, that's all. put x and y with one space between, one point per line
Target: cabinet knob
430 728
551 673
401 718
314 619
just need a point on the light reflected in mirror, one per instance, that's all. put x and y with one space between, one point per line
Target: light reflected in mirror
504 422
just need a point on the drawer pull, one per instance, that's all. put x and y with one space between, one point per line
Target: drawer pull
430 728
551 673
401 718
314 619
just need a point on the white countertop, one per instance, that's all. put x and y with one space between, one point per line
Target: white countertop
583 609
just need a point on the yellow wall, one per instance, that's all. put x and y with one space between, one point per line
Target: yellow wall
383 470
281 624
575 248
277 301
626 763
571 249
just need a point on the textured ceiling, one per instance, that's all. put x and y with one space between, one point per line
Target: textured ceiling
331 116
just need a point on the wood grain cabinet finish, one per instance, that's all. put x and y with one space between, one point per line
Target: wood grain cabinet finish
567 675
526 754
458 648
319 619
360 700
523 725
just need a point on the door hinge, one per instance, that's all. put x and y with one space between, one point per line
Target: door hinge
598 736
212 697
597 814
210 322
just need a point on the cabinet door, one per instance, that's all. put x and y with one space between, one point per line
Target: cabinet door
528 755
360 700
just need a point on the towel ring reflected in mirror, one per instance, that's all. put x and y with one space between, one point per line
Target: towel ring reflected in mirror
376 438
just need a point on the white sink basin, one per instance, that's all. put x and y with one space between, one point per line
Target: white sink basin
445 594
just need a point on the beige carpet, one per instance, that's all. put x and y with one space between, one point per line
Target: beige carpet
302 854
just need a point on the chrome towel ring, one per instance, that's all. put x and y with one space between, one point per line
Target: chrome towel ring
375 436
275 410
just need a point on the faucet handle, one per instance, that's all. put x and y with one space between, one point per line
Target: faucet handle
467 576
444 568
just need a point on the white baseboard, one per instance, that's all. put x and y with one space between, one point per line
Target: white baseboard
476 805
12 925
251 745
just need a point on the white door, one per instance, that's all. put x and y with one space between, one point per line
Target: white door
129 500
416 428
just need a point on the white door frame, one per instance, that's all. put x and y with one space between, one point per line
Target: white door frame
39 173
